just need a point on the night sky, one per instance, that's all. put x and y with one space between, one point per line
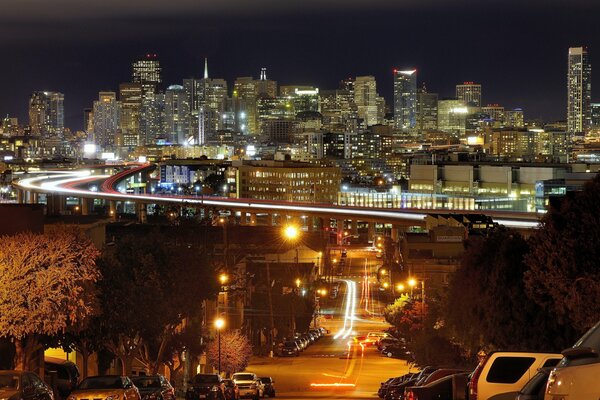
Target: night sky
517 49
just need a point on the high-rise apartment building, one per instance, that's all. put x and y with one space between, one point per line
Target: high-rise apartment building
367 100
595 112
47 114
106 120
148 73
579 91
245 96
405 99
470 93
339 110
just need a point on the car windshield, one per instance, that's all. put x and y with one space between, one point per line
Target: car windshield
243 377
228 382
289 344
265 380
206 379
591 339
143 382
101 382
9 381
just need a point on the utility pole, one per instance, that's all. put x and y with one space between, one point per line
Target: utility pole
272 323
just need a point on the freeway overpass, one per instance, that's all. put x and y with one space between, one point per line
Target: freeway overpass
101 182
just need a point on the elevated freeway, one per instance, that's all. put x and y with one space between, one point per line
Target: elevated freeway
96 183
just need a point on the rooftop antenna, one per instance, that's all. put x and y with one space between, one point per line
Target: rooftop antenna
205 68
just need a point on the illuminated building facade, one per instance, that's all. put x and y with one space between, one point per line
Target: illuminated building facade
514 118
106 120
289 181
469 93
452 116
496 114
367 100
405 99
130 96
427 111
176 112
579 91
47 114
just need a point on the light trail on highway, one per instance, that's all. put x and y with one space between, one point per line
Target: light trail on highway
49 182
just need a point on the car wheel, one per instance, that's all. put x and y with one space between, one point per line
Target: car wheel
389 354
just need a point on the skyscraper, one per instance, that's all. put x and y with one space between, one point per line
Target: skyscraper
176 110
427 111
47 114
405 99
579 91
106 120
147 72
367 100
130 95
470 93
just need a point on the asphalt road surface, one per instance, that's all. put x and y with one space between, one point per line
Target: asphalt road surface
333 367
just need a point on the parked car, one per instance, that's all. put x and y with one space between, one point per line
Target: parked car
289 349
249 385
206 386
449 387
19 385
505 373
536 387
154 387
65 375
390 340
108 386
398 351
576 376
269 388
232 392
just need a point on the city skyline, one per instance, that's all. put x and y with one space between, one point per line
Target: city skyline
514 67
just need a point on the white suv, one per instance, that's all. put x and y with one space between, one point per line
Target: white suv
577 376
502 374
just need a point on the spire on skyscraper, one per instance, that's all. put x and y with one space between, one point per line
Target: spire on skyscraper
263 74
205 68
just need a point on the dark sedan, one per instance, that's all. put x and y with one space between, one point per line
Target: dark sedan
268 384
154 387
19 385
206 386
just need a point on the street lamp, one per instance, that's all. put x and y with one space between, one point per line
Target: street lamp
219 324
412 282
223 278
291 232
400 287
298 282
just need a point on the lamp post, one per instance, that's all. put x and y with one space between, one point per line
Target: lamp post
219 324
291 233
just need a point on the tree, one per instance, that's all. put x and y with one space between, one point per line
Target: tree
235 352
406 315
487 304
46 285
152 283
563 261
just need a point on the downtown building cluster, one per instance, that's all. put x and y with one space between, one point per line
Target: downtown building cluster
351 126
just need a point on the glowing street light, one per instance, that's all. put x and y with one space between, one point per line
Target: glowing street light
400 287
412 282
291 232
223 278
386 285
298 282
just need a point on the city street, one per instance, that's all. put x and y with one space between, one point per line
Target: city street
333 367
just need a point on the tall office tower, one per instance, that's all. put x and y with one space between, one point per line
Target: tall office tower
264 86
304 98
245 94
367 100
339 110
130 96
470 93
106 120
147 72
405 99
47 114
176 112
514 118
496 113
452 116
427 111
579 91
88 120
152 121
